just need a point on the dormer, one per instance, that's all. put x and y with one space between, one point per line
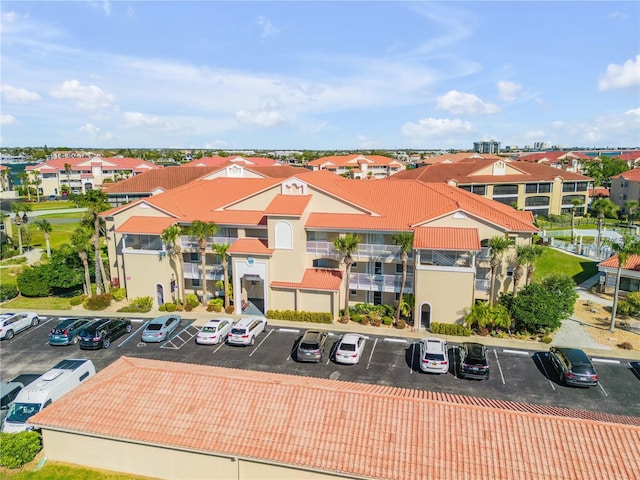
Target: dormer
235 171
293 186
499 168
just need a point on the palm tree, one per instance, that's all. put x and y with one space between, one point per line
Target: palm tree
45 227
629 246
632 207
24 182
67 170
81 243
171 236
522 259
575 203
203 230
497 246
404 240
345 246
36 182
533 254
96 202
221 249
601 208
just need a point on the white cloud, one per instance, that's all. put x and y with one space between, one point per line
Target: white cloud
137 119
436 127
267 27
6 119
509 91
263 118
94 133
88 97
536 135
460 103
13 94
621 76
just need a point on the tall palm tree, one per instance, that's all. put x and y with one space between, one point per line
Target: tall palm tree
203 230
36 182
601 208
533 254
632 207
629 246
404 240
575 203
345 246
497 246
96 202
67 170
171 236
522 260
45 227
81 243
221 249
24 182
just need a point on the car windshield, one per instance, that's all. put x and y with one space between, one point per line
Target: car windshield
583 369
154 326
21 412
209 329
309 346
349 347
238 331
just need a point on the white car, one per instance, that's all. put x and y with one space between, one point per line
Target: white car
433 355
214 331
12 323
350 348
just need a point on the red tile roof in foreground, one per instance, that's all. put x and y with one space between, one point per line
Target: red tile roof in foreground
288 205
633 175
161 179
353 429
633 263
447 238
315 279
251 246
146 225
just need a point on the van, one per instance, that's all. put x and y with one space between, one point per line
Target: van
245 331
44 390
8 393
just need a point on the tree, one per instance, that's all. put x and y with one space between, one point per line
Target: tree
67 170
45 227
221 249
521 261
404 241
16 208
96 202
603 168
81 244
534 252
632 207
203 230
601 208
171 236
575 203
24 183
483 315
345 246
36 182
629 246
497 246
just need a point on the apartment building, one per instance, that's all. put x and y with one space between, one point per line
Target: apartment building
625 188
358 166
83 173
216 161
569 161
531 187
281 233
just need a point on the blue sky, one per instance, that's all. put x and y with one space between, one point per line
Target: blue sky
319 75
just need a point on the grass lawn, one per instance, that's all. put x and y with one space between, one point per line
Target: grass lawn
51 205
37 303
55 471
579 268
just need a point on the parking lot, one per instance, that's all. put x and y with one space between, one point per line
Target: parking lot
516 375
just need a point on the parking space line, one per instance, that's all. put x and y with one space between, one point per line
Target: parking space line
546 374
289 330
170 343
263 340
371 356
218 347
395 340
603 390
495 352
413 358
605 360
518 352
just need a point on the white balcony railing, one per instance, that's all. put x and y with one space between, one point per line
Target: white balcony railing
190 243
213 272
483 285
134 242
379 283
365 251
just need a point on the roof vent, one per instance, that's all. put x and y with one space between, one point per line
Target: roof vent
52 374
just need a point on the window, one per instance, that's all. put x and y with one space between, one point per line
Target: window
377 298
194 257
377 268
567 199
477 189
536 201
505 190
629 284
538 188
398 268
195 282
575 186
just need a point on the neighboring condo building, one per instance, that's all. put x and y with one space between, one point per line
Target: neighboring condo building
281 233
358 166
532 187
625 188
569 161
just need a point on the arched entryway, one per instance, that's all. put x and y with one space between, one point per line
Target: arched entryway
159 294
425 316
253 291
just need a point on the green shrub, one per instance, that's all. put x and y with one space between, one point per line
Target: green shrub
402 324
119 294
138 305
450 329
97 302
364 319
31 283
230 309
16 449
387 320
376 320
546 339
170 307
163 307
191 300
77 300
295 316
7 292
356 317
634 300
216 301
624 308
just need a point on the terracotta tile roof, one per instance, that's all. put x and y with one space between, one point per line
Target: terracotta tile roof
217 161
251 246
630 156
107 163
457 157
161 179
632 264
354 160
291 205
599 192
145 225
466 172
447 238
363 430
552 157
315 279
633 175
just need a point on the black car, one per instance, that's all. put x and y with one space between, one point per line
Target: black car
311 346
101 333
573 367
473 361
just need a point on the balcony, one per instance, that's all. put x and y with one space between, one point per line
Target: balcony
135 242
365 251
191 244
483 285
379 283
213 272
445 258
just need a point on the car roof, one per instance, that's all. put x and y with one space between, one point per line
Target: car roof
574 354
214 321
162 318
474 349
433 344
351 337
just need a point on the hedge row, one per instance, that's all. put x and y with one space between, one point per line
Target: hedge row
292 315
7 292
450 329
16 449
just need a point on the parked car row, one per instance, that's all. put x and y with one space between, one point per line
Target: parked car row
12 323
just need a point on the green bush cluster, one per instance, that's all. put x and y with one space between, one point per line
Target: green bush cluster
215 305
401 324
191 301
77 300
630 305
16 449
450 329
31 283
387 320
368 309
97 302
295 316
230 309
138 305
119 294
546 339
7 292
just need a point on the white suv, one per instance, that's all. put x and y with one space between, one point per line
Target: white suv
12 323
245 331
433 355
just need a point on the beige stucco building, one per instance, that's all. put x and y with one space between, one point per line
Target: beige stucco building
281 234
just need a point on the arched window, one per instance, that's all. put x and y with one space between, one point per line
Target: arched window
284 236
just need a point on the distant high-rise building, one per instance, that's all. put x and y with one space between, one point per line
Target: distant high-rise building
486 147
